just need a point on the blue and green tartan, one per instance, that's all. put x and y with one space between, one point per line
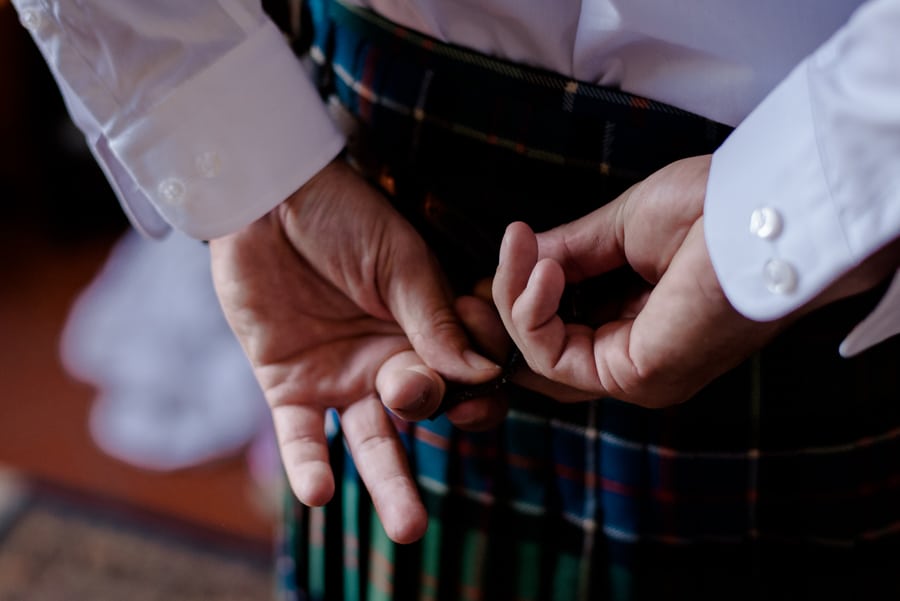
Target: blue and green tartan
780 480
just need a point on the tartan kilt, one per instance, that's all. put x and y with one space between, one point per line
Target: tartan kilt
779 480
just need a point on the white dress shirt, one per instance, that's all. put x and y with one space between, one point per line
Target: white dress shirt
203 120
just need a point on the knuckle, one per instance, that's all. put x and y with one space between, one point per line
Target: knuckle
373 444
442 326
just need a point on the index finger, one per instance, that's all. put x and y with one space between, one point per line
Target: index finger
518 256
590 245
527 295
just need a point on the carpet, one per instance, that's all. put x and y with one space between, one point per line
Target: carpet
54 549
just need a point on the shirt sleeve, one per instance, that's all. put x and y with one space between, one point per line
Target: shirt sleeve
808 185
198 112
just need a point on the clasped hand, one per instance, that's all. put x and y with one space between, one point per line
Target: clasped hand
338 303
666 340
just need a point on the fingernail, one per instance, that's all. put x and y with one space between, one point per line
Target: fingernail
476 361
428 386
423 372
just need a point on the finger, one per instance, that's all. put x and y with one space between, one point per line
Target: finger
539 301
480 413
560 352
486 330
418 299
518 255
382 264
482 290
560 392
516 303
381 461
408 387
483 324
304 452
686 334
589 246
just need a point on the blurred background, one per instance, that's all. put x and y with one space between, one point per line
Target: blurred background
135 451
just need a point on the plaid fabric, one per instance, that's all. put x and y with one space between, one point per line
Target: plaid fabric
780 480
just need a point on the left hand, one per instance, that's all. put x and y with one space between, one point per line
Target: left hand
338 304
666 342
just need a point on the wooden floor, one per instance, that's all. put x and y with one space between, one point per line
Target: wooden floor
43 411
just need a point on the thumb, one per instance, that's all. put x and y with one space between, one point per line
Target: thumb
590 245
418 298
350 233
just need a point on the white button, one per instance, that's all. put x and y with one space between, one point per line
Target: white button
765 223
172 191
209 164
780 276
31 20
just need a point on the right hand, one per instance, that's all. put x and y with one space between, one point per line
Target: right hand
666 340
338 303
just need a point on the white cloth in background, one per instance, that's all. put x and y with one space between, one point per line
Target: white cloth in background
174 387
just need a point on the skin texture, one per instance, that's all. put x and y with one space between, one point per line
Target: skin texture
338 304
663 342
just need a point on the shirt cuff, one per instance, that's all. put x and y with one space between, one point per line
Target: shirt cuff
882 323
774 234
229 144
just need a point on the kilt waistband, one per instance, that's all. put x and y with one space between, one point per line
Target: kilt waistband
384 72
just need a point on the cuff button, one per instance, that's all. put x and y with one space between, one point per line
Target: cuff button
766 223
172 191
780 276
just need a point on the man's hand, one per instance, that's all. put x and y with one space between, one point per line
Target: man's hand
338 303
665 342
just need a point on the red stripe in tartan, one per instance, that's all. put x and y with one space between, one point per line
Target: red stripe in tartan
465 448
618 488
668 496
589 478
470 592
641 103
368 80
351 550
665 493
432 439
525 462
381 571
517 461
868 489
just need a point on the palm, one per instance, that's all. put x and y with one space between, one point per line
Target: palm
309 343
338 304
